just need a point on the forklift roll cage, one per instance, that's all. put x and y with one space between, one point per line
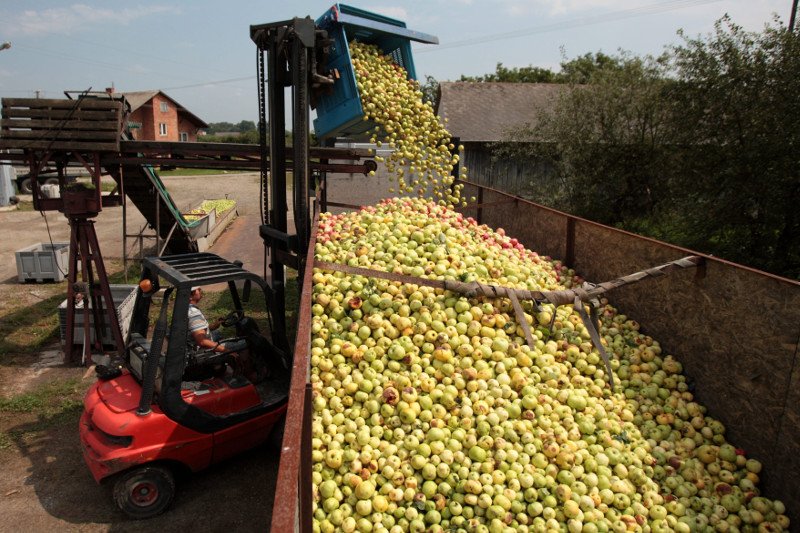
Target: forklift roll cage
183 272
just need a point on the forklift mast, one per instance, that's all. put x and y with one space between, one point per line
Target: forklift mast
294 50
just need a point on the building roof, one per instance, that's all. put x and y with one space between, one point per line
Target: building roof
485 111
137 99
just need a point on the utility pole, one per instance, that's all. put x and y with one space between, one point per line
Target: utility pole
793 16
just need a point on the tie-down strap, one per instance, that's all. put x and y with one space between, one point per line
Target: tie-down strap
577 296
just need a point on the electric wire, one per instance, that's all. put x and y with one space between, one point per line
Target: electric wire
663 7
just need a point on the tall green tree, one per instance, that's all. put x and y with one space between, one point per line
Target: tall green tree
430 91
736 99
698 147
606 142
583 69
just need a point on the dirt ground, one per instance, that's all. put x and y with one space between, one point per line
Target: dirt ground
45 485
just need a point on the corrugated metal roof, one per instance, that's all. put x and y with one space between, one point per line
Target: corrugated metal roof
484 111
137 99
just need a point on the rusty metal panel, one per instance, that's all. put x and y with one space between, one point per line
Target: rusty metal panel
780 475
736 330
291 493
538 228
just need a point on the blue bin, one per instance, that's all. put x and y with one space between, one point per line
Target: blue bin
340 114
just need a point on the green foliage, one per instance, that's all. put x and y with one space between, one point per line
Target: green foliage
609 148
697 147
220 127
583 69
430 91
529 74
736 96
249 137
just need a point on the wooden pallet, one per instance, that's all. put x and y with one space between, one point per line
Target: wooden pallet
83 125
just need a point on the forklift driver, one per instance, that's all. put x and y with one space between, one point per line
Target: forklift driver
207 336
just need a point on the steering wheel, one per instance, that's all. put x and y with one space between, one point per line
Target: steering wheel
231 319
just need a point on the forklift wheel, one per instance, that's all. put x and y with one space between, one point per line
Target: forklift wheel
145 492
26 186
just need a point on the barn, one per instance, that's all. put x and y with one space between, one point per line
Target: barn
481 114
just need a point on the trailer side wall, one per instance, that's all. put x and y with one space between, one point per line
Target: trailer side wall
735 330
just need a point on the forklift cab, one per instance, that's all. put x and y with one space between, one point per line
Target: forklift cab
171 406
181 360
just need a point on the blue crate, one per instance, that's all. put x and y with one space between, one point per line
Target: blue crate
340 114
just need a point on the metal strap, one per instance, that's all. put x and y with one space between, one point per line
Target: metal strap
575 296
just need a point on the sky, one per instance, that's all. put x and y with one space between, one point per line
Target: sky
199 52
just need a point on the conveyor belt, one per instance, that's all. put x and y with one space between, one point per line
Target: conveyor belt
142 185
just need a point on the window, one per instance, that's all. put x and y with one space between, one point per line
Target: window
162 129
164 107
184 137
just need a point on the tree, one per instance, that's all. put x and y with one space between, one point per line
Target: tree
736 98
606 143
529 74
697 147
430 91
245 126
219 127
584 68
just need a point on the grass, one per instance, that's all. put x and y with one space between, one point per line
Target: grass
26 329
48 400
52 404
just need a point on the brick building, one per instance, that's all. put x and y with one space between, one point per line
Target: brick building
155 116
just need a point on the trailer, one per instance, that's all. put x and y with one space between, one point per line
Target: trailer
735 330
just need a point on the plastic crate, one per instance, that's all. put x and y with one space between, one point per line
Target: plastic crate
124 297
43 262
340 114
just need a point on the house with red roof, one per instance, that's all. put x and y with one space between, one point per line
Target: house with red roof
155 116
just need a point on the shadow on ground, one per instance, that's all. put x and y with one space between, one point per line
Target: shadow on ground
236 494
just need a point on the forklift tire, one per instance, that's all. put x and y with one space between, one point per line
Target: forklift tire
145 492
26 186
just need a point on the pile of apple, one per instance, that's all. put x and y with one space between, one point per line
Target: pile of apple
431 413
422 158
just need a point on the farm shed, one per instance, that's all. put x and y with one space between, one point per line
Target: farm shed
481 113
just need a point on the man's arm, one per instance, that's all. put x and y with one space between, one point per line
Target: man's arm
202 341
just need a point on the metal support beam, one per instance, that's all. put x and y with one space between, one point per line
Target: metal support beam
275 213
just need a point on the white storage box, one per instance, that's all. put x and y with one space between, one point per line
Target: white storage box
43 261
124 297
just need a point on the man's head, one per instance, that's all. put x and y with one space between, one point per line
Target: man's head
196 295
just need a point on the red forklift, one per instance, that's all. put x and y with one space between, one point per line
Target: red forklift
172 407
